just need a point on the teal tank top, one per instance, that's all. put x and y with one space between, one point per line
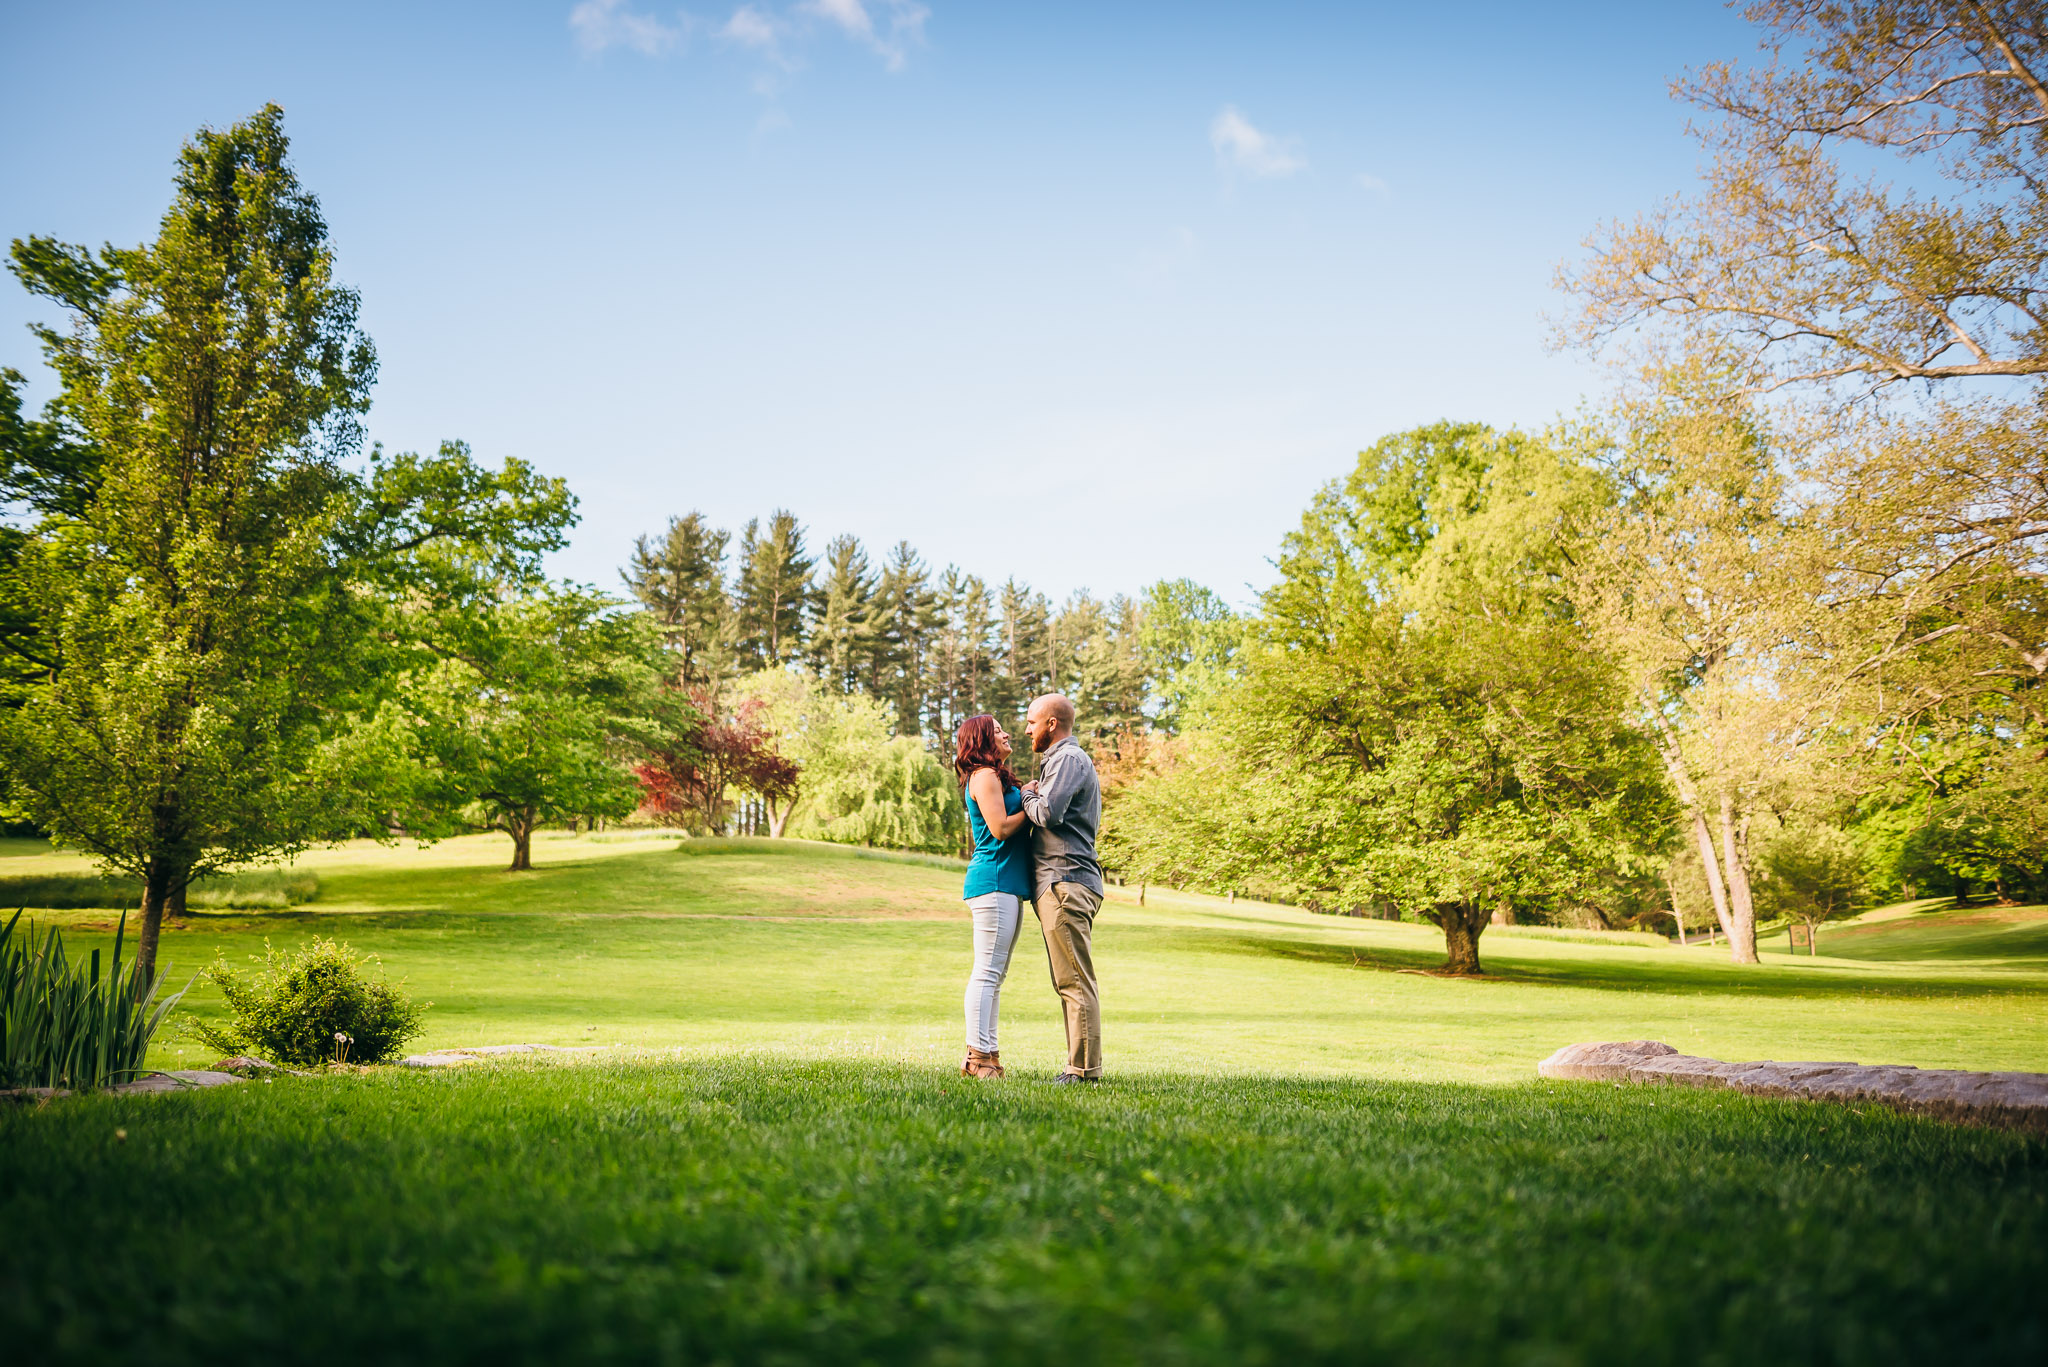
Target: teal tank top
998 865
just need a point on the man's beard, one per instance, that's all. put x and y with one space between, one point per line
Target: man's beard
1039 744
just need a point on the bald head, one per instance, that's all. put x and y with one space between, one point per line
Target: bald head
1049 720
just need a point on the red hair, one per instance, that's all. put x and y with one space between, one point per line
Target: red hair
977 750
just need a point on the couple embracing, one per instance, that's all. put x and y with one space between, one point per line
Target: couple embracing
1035 841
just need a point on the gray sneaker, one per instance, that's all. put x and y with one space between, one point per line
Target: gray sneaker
1073 1077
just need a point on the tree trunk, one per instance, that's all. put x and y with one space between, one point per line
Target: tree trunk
779 814
1711 859
1689 798
1741 908
158 884
174 905
1462 925
521 829
1676 914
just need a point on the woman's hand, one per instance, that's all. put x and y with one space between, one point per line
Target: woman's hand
987 791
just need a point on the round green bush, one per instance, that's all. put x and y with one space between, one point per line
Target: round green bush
314 1006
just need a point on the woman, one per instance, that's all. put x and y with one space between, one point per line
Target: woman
998 879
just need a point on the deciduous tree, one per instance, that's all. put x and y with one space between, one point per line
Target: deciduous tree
529 715
203 594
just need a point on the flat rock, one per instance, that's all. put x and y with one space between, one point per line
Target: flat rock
183 1080
2007 1100
452 1058
1601 1062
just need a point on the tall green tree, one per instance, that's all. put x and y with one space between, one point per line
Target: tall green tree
1107 669
1422 722
843 634
1693 583
1869 245
680 581
216 374
772 593
208 597
1189 638
960 657
1023 619
905 611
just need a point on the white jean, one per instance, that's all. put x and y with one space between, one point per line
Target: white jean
997 916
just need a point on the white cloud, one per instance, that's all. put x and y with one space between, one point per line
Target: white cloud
1373 183
750 27
600 24
1242 147
850 15
906 25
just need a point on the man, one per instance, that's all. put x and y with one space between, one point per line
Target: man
1064 807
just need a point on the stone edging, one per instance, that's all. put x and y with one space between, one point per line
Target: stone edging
2017 1101
184 1080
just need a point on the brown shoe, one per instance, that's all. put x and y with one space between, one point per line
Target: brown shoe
981 1064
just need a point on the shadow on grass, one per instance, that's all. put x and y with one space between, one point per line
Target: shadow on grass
1698 979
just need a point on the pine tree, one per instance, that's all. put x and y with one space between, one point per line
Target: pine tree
974 611
1020 650
772 596
899 662
681 583
842 639
1109 682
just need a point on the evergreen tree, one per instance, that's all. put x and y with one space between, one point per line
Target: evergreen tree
842 638
974 610
681 584
1020 649
961 654
772 596
1108 684
899 662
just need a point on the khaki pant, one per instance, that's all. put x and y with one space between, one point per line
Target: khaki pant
1066 913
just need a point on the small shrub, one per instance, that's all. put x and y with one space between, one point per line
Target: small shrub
314 1006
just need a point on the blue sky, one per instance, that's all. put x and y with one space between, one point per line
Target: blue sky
1091 294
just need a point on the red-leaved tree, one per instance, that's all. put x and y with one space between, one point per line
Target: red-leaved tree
684 780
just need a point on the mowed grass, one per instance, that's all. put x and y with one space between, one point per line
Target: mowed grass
1309 1150
748 1210
820 952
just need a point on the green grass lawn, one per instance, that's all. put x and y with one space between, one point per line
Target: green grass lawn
1307 1151
817 952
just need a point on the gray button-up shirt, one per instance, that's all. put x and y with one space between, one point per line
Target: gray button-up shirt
1065 813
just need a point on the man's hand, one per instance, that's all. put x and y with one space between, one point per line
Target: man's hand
1031 788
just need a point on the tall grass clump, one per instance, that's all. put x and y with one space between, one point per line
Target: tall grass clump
317 1005
64 1025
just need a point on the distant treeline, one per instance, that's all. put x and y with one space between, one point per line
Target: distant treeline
934 647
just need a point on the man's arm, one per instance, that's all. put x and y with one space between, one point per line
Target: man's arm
1047 806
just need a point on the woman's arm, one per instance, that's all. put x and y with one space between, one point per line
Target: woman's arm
987 791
